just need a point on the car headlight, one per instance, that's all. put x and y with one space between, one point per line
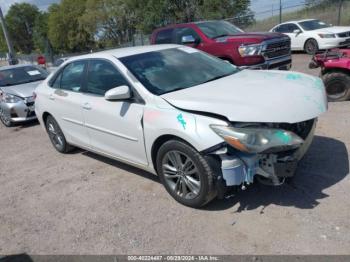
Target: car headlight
258 140
8 98
326 35
249 50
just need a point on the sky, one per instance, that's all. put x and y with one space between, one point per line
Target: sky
262 8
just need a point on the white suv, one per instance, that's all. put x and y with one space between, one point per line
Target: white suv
198 122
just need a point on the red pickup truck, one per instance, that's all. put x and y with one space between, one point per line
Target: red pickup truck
226 41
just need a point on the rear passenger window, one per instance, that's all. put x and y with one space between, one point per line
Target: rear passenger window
103 76
72 76
165 36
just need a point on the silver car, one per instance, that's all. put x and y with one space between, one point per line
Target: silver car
200 123
17 84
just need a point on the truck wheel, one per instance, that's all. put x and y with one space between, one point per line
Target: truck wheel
56 136
311 46
337 86
185 174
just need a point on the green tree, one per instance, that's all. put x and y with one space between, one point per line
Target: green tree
40 31
20 22
65 31
112 22
3 46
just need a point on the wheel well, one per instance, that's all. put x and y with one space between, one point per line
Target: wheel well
159 142
334 70
45 115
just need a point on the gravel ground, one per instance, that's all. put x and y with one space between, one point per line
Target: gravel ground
82 203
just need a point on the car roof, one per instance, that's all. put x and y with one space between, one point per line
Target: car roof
296 21
15 66
189 23
126 51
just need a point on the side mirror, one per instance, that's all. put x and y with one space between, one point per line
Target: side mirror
297 31
118 93
189 39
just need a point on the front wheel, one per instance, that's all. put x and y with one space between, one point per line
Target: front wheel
311 46
5 118
185 174
56 136
337 86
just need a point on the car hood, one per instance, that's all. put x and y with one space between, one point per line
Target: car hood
251 37
22 90
333 30
256 96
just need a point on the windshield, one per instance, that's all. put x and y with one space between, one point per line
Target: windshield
313 25
215 29
174 69
21 75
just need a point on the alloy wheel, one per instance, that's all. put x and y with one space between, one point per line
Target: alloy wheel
55 134
181 174
5 118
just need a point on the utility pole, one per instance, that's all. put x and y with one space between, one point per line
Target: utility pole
11 52
339 11
280 11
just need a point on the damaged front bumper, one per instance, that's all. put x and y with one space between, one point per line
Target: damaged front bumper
240 169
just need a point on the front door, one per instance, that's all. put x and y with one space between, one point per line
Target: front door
115 127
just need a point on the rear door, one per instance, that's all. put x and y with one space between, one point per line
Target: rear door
115 127
65 102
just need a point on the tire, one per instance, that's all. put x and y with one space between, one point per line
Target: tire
5 119
192 182
56 136
337 86
311 46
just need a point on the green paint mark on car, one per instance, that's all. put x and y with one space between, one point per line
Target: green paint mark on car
283 136
181 120
291 76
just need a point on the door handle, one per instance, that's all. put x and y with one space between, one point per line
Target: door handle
87 106
51 97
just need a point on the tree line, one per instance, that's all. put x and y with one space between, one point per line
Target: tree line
81 25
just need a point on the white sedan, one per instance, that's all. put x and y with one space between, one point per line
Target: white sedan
198 122
312 35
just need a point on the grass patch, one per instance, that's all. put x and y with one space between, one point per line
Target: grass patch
327 13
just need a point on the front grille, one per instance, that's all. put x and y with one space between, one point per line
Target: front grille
277 49
30 103
345 34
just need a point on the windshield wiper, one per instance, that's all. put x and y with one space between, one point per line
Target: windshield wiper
218 36
176 89
217 77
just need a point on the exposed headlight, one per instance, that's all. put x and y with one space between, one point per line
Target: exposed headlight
258 140
8 98
249 50
327 35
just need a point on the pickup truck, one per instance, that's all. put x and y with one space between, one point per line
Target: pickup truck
224 40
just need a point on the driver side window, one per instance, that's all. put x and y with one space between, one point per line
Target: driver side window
103 76
185 31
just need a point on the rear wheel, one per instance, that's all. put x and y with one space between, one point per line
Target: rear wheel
56 136
5 118
311 46
337 86
185 174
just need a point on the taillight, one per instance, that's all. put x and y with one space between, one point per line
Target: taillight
34 95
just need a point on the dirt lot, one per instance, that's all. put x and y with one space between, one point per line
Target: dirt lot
85 204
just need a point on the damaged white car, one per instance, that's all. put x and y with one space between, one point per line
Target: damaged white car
198 122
